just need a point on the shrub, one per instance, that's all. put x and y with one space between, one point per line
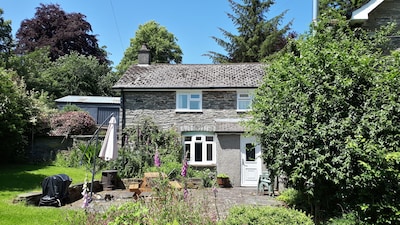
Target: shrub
80 155
72 123
71 108
266 215
141 143
294 198
345 219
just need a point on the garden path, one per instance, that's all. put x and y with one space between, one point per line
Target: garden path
225 198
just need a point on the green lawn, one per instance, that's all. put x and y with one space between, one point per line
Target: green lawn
17 179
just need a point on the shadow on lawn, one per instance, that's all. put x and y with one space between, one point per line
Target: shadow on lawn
17 178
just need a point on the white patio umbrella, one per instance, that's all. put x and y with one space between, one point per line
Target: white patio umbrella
109 148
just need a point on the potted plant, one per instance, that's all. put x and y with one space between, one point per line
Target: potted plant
223 180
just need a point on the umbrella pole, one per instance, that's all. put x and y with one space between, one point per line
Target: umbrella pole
96 135
94 167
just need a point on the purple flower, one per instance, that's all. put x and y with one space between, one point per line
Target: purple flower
215 191
157 161
184 168
185 193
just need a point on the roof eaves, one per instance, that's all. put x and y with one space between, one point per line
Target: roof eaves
363 12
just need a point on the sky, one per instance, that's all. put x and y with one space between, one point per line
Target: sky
193 23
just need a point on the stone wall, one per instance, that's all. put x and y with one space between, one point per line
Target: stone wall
388 11
45 148
161 107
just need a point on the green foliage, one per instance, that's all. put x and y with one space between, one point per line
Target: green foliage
168 206
266 215
141 143
130 213
345 7
345 219
222 175
15 113
171 169
257 38
76 74
328 117
70 108
81 155
6 42
294 198
162 45
43 109
207 175
31 67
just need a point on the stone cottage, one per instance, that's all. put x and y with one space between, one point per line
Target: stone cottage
205 104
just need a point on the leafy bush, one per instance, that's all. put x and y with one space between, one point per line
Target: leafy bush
168 207
72 123
80 155
345 219
266 215
294 198
15 113
71 108
141 144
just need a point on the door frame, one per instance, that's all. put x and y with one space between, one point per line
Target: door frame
257 164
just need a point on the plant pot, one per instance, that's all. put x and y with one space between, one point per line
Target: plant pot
223 182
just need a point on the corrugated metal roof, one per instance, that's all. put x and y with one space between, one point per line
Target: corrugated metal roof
89 99
235 75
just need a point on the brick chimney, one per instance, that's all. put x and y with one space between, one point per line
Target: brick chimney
144 56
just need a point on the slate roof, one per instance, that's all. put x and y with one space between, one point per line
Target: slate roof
192 76
88 99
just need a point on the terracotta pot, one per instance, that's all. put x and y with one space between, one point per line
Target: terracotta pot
223 182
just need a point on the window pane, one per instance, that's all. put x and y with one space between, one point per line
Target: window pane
209 138
198 153
195 96
187 151
188 138
250 152
182 102
244 104
209 152
194 105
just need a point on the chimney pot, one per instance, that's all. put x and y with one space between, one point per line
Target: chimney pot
144 55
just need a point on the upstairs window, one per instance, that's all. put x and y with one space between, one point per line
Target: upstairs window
188 101
200 149
244 99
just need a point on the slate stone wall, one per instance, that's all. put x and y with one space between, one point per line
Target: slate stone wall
160 106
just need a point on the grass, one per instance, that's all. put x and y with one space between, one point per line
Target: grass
18 179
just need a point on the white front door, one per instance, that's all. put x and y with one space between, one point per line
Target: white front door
250 161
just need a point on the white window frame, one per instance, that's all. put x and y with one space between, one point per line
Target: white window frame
189 147
244 96
189 99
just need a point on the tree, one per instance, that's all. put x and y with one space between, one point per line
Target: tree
76 74
345 7
327 116
161 43
15 113
30 68
6 42
63 32
257 36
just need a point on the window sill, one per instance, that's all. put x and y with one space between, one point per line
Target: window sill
188 111
243 110
202 164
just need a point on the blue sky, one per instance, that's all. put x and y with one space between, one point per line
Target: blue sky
192 22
